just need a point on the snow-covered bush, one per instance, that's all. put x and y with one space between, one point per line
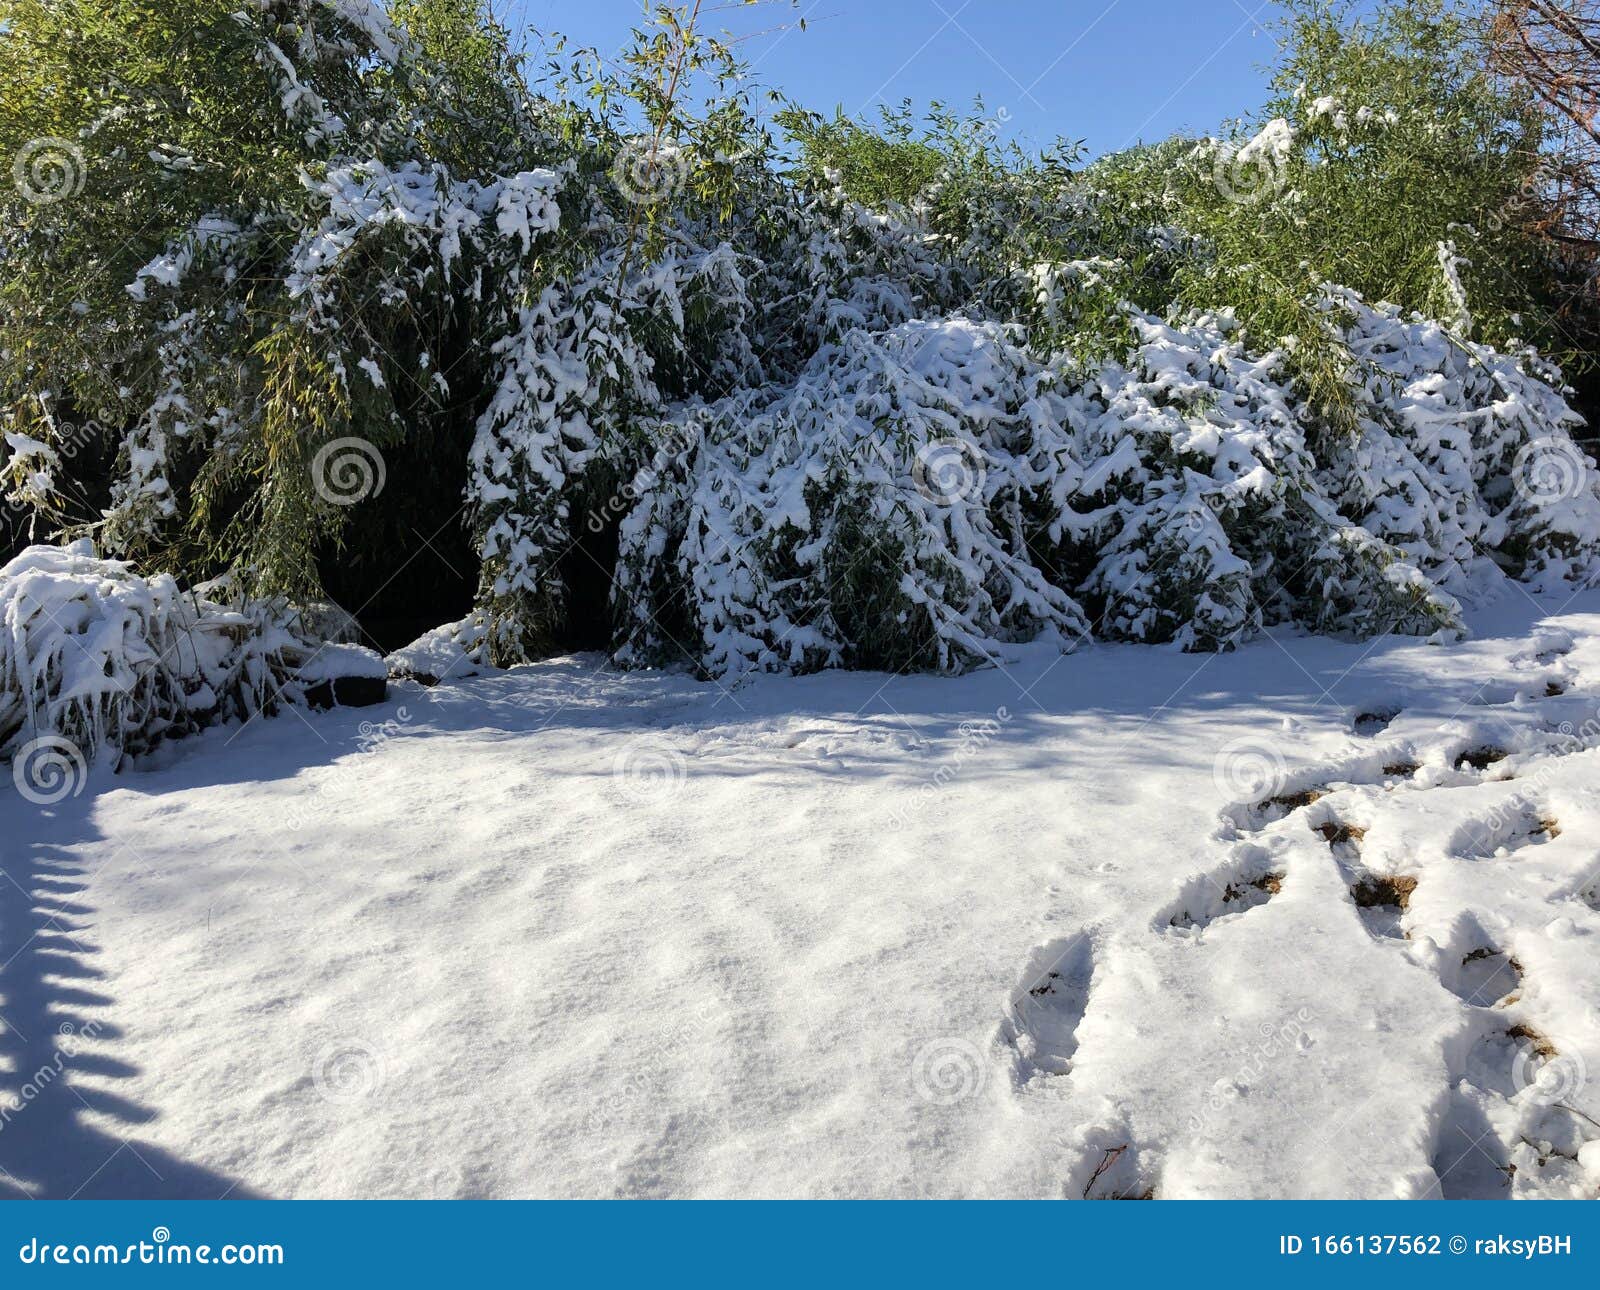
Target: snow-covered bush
898 405
870 514
579 368
1463 452
95 654
918 497
1215 519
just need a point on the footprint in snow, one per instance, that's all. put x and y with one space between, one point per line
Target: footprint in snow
1247 882
1504 834
1374 720
1042 1025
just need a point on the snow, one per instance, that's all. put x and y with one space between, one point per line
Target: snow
423 202
1036 930
450 652
525 205
1273 141
331 662
168 268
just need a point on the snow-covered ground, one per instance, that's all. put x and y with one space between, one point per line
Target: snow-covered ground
1035 931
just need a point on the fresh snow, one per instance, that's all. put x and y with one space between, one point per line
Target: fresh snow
566 930
448 651
331 662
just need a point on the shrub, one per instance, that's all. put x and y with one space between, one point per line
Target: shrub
93 653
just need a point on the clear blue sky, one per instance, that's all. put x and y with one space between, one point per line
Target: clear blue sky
1111 72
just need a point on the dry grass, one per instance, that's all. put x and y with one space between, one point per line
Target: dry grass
1489 952
1271 883
1375 891
1335 832
1293 801
1539 1043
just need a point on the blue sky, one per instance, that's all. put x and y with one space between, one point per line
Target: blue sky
1111 72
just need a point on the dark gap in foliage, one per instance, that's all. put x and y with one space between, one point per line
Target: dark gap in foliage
1586 403
406 565
395 602
586 571
13 532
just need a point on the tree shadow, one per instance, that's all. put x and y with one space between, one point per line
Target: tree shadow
64 1130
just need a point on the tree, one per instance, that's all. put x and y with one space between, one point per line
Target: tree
1552 47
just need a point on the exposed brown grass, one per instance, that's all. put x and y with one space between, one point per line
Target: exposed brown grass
1375 891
